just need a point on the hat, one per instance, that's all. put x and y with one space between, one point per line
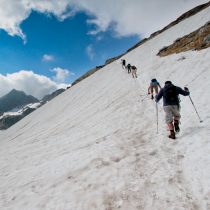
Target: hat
168 83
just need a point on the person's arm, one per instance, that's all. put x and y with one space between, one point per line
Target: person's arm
159 96
185 92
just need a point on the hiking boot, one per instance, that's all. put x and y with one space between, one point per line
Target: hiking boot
176 126
172 135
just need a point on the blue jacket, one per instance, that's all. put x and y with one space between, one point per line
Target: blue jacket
176 99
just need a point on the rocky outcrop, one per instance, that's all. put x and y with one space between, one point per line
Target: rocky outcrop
197 40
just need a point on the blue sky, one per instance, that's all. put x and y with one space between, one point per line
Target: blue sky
45 45
67 41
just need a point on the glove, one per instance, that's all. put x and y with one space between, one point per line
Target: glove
186 89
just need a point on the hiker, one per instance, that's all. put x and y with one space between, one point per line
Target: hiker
154 85
123 62
171 106
133 71
129 68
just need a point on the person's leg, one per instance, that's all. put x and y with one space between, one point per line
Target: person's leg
177 116
152 90
156 89
169 121
132 72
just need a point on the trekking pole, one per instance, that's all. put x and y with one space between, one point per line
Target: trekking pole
195 109
157 115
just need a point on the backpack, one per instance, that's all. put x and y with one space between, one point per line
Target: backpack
154 82
170 93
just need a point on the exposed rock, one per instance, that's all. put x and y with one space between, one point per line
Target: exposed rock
207 39
197 40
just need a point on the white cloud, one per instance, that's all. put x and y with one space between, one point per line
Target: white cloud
13 13
90 52
127 17
61 74
47 58
29 82
140 17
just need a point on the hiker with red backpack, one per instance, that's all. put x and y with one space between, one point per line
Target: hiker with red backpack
154 86
171 106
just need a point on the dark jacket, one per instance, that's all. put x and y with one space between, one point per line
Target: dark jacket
175 101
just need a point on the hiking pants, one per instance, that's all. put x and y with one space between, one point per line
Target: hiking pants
133 72
172 112
154 87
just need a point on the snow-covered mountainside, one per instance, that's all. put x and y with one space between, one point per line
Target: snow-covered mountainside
95 146
21 110
8 119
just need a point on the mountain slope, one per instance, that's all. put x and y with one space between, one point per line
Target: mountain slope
52 95
14 99
101 151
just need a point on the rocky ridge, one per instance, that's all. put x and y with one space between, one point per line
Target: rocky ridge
197 40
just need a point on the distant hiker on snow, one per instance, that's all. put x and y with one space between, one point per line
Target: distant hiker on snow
129 68
133 71
123 62
154 85
171 105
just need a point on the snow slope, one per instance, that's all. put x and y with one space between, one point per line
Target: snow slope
95 146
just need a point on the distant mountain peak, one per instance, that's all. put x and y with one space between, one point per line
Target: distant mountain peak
15 91
15 98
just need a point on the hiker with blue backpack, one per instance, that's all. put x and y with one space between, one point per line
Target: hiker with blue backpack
154 86
171 105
